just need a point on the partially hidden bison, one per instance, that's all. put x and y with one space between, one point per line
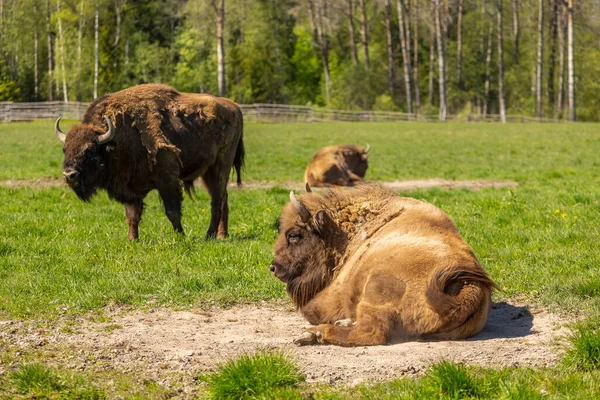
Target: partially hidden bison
368 267
153 137
343 165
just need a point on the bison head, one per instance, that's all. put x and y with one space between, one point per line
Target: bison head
85 147
306 251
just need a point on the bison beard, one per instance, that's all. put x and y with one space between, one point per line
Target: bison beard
153 137
368 267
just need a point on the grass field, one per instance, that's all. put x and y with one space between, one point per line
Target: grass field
539 241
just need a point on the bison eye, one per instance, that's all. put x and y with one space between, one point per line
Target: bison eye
294 238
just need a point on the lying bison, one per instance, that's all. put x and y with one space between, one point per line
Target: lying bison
343 165
367 267
153 137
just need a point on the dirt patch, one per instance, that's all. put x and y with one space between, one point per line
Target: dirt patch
44 183
162 344
41 183
396 185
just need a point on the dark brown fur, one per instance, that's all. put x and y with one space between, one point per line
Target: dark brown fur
343 165
395 267
163 139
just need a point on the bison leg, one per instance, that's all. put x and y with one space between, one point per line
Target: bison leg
172 197
133 213
376 315
216 184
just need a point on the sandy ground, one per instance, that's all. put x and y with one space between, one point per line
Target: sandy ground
394 185
172 347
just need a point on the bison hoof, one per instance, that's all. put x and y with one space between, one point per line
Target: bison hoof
344 322
307 338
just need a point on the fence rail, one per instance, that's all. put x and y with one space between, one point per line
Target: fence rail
10 111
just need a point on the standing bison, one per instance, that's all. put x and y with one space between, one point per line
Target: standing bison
153 137
343 165
367 267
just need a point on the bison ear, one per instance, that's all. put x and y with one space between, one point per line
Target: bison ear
323 224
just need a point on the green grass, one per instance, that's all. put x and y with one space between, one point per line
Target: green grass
260 375
540 240
39 381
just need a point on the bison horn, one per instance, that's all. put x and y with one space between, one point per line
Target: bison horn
301 208
367 148
109 135
307 187
61 136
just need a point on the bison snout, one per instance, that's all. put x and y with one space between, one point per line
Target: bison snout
277 271
70 176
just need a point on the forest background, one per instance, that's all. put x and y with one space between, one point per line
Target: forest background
530 57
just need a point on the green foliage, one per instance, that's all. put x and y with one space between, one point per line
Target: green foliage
9 91
268 375
271 56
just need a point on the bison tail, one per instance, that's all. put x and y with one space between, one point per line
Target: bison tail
461 296
238 160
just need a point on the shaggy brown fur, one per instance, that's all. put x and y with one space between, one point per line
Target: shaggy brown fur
162 139
367 267
343 165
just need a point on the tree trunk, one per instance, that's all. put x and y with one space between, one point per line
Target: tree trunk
501 66
61 41
390 49
441 62
415 20
352 31
96 47
316 9
432 55
404 40
488 61
219 6
561 63
459 45
364 33
50 63
36 83
571 67
515 15
540 60
78 94
552 59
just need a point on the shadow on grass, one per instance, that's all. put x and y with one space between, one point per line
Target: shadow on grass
506 321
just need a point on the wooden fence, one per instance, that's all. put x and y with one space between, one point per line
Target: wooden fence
10 111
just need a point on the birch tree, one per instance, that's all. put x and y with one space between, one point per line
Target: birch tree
36 82
219 7
441 61
540 60
50 55
561 61
317 10
415 20
390 49
515 20
352 31
459 44
96 47
570 61
61 49
404 40
501 104
364 32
